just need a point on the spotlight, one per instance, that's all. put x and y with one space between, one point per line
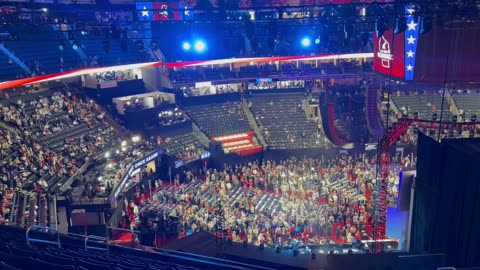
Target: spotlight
317 41
135 138
124 143
107 154
186 46
75 46
306 42
200 46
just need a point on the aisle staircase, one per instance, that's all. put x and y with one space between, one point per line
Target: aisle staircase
15 59
373 114
252 122
328 122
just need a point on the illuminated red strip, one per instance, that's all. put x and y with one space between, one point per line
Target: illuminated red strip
67 74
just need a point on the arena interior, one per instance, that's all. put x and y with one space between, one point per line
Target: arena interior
271 134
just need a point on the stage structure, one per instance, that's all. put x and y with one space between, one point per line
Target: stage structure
383 164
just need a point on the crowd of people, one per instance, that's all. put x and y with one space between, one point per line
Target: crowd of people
271 203
276 85
212 90
47 118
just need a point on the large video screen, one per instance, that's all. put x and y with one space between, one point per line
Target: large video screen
389 53
163 11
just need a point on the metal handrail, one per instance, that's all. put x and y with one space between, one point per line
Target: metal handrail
95 237
203 257
38 227
123 230
77 235
132 231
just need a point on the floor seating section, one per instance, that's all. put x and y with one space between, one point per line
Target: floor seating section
218 119
284 123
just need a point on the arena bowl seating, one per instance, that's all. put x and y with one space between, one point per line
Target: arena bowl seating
283 122
424 104
469 103
219 119
73 253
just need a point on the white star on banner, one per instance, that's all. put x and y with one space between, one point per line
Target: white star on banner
409 67
411 40
412 25
410 53
145 12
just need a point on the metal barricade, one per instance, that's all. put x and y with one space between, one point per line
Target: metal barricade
94 237
133 232
38 227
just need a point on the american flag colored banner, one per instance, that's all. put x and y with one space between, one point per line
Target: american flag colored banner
411 41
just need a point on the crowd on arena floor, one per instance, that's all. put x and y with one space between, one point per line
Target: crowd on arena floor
311 200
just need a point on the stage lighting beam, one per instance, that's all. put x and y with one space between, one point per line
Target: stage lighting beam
306 42
186 46
200 46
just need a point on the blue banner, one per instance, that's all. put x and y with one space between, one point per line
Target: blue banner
411 41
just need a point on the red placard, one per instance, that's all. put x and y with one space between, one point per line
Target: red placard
389 53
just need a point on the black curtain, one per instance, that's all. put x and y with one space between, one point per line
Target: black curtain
446 214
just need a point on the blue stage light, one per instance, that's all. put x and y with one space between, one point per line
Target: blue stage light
306 41
186 46
200 46
317 41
